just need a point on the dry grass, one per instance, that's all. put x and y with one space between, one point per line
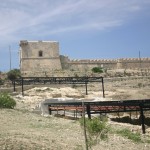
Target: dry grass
23 130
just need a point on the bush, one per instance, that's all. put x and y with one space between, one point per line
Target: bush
6 101
97 130
13 74
95 126
97 70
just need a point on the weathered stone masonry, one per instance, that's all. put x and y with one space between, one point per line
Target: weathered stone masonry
128 63
43 57
39 56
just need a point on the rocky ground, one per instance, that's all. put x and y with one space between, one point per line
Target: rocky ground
21 128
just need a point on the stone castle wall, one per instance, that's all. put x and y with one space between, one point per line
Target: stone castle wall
87 64
42 58
39 56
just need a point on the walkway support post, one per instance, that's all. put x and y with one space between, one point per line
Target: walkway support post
88 109
49 108
142 118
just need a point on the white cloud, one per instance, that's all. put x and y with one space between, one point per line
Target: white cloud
26 18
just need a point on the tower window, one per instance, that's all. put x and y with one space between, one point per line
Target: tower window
40 53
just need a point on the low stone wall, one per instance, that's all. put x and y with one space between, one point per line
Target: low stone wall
78 73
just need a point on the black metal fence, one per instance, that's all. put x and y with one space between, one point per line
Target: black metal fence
57 80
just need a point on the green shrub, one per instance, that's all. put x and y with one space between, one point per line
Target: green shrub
130 135
13 74
97 130
95 126
6 101
97 70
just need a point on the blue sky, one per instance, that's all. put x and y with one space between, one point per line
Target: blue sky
85 29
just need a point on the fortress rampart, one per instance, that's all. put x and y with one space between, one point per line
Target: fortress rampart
123 63
43 58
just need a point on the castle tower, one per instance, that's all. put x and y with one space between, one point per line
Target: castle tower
39 56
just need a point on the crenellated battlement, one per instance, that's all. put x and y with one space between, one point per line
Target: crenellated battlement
42 57
120 63
134 59
92 60
108 60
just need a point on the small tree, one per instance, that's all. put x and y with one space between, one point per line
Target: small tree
13 74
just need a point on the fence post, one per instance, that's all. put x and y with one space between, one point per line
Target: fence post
103 88
84 125
86 88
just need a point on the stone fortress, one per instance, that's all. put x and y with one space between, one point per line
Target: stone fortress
42 58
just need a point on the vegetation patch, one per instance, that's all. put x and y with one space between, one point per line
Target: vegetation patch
97 70
6 101
130 135
97 130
